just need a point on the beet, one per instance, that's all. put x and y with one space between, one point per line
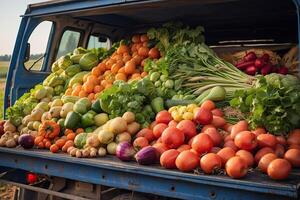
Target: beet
250 56
26 141
259 63
266 69
251 70
243 65
265 57
283 70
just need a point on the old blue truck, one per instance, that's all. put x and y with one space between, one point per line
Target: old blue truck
98 23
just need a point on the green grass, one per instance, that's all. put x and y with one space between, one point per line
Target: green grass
3 68
1 103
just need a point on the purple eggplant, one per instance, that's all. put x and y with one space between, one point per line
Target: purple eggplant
26 141
146 156
125 151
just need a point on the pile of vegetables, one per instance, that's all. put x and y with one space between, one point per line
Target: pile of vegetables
154 98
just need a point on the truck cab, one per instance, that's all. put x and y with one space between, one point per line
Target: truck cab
63 25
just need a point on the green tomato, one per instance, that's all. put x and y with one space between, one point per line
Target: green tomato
169 84
163 78
101 119
154 76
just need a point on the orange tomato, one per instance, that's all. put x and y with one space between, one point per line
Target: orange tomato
102 67
38 139
69 91
108 85
145 44
60 142
91 96
82 93
187 161
85 77
136 39
78 87
121 76
54 148
138 46
96 71
47 144
130 67
88 87
71 136
79 130
104 83
122 49
154 53
143 51
135 75
93 79
121 70
126 58
110 63
133 48
137 59
144 38
75 93
143 74
115 68
98 88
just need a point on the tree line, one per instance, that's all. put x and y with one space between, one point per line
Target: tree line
7 57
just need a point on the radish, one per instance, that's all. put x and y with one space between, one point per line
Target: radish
250 56
265 57
283 70
251 70
274 69
244 65
259 63
266 69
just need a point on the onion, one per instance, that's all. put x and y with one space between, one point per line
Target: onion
125 151
26 141
146 156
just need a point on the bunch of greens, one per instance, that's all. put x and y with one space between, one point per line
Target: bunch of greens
274 103
123 97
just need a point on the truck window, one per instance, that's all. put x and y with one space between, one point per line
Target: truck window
95 42
69 41
38 41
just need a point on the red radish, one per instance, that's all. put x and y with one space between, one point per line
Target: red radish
274 69
251 70
266 69
283 70
250 56
265 57
259 63
244 65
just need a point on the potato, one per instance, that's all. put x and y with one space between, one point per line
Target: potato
73 152
3 141
93 152
133 128
93 140
78 153
86 153
11 143
102 152
129 117
70 149
118 125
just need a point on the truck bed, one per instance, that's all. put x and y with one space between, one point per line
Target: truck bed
151 179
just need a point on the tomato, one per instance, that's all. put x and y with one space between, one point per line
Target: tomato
217 112
208 105
168 158
258 131
173 123
215 150
158 129
130 67
238 127
152 125
279 150
245 140
140 143
160 147
188 127
281 140
225 154
184 147
172 137
60 142
54 148
143 51
294 146
260 153
236 167
137 59
279 169
203 116
191 141
265 161
147 133
294 137
227 138
136 39
154 53
144 38
231 144
247 156
122 49
218 122
202 143
187 161
163 117
206 127
266 140
210 163
293 156
214 135
227 127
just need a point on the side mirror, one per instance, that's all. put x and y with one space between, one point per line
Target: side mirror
27 54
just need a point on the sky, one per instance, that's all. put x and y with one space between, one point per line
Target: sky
10 11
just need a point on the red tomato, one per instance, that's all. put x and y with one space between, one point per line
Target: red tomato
294 146
202 143
218 122
168 158
152 125
259 131
203 116
226 153
281 140
294 137
206 127
158 129
140 143
172 137
160 147
260 153
227 138
217 112
279 150
266 140
265 161
236 167
208 104
247 156
187 161
293 156
147 133
245 140
214 135
238 127
173 123
231 144
227 127
163 117
279 169
188 127
154 53
210 163
191 141
215 150
184 147
143 51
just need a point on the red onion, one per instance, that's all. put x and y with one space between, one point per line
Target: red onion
125 151
146 156
26 141
250 56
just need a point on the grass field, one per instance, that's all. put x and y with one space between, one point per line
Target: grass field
3 71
